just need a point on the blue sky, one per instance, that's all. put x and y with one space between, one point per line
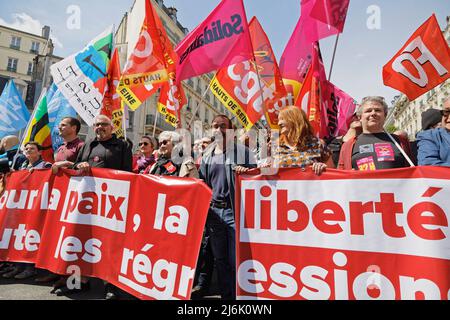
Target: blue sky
360 56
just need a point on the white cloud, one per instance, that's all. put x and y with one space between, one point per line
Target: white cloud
26 23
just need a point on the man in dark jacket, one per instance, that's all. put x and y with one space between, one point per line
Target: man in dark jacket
105 151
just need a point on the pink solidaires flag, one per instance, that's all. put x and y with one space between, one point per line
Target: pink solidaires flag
223 39
341 108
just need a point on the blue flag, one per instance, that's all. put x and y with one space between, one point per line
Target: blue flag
58 109
14 115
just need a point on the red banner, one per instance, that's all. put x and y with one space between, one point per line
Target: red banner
421 64
344 235
140 233
23 208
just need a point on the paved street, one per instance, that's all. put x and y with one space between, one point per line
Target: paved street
29 290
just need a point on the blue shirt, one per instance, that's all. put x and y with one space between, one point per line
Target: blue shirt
434 147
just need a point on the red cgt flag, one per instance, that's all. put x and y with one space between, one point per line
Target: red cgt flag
421 64
171 100
151 64
249 88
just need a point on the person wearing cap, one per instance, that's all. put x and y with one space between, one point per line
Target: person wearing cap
434 144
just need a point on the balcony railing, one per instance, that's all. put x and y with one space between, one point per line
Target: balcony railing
12 46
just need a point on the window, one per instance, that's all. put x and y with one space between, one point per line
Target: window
189 100
12 64
35 47
15 43
30 68
199 87
207 115
130 119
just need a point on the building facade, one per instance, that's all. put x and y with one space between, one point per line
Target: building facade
406 115
18 53
202 105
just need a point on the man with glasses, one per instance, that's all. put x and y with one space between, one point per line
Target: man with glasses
434 145
374 149
105 151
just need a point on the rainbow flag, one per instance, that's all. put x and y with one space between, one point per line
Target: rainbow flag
39 129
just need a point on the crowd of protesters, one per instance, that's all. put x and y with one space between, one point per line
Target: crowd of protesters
217 158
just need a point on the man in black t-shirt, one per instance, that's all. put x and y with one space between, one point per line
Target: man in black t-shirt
374 149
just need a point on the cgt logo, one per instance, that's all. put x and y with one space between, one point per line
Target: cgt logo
98 202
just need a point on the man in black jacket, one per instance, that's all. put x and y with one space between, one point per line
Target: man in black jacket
105 151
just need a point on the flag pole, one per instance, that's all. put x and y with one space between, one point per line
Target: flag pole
334 55
22 138
124 124
154 124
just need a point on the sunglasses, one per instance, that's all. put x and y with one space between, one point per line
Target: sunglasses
445 113
163 143
143 144
101 124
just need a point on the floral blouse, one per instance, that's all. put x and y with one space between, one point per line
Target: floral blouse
291 157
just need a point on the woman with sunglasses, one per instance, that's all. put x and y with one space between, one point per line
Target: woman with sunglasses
146 158
434 145
171 160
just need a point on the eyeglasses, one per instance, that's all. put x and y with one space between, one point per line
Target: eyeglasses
143 144
163 143
445 113
101 124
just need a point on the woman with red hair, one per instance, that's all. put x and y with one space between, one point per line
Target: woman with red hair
298 146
